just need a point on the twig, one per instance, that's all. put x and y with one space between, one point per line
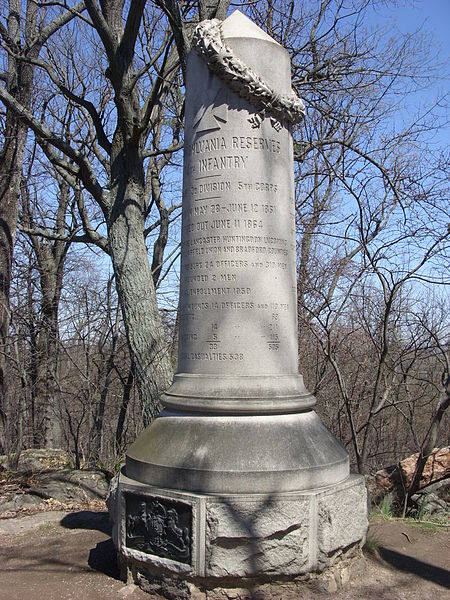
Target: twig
407 536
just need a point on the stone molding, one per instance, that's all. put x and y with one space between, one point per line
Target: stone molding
208 43
256 535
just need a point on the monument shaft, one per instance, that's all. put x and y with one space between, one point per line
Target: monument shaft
238 301
238 417
237 479
238 295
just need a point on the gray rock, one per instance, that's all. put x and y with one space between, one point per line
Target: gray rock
342 518
268 536
69 485
14 502
259 535
34 460
63 485
440 488
113 508
429 503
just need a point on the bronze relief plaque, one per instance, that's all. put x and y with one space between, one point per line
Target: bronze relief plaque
159 526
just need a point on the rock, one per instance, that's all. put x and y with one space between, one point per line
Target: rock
429 504
113 508
14 502
169 588
397 477
24 524
69 485
441 489
64 486
342 522
245 538
35 460
436 468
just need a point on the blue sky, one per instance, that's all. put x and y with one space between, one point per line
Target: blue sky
433 14
432 18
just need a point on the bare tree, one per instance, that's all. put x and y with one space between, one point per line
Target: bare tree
23 33
435 333
94 361
141 50
50 262
371 206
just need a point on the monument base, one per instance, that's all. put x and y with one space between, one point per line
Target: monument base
189 545
237 454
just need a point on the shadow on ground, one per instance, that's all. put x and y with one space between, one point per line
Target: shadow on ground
408 564
103 557
87 519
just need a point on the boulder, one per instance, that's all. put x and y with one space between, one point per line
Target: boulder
397 478
67 485
429 504
60 487
35 460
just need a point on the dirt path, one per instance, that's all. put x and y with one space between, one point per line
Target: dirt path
60 556
65 556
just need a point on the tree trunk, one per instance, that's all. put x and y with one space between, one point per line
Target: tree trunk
11 158
19 83
123 411
137 297
430 439
47 423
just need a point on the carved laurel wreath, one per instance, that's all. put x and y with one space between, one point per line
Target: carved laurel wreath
208 42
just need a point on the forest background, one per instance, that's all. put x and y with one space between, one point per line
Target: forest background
91 138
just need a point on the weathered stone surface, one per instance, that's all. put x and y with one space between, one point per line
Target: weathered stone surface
341 517
238 439
257 536
436 468
237 453
396 477
170 588
148 495
247 538
34 460
13 502
238 414
72 485
65 486
430 504
112 504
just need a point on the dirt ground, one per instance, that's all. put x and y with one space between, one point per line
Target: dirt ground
65 556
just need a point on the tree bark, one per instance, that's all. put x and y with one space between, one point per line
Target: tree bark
128 385
46 425
24 39
431 438
19 84
137 297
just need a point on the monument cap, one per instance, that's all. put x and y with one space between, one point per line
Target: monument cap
237 25
258 51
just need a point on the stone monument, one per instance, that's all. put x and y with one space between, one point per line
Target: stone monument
237 482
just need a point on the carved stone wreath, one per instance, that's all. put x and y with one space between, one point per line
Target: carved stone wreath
208 42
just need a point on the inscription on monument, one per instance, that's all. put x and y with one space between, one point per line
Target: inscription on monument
238 246
158 526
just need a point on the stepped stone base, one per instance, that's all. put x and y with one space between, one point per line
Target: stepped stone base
189 545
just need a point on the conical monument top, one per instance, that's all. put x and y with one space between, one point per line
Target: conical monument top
237 25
